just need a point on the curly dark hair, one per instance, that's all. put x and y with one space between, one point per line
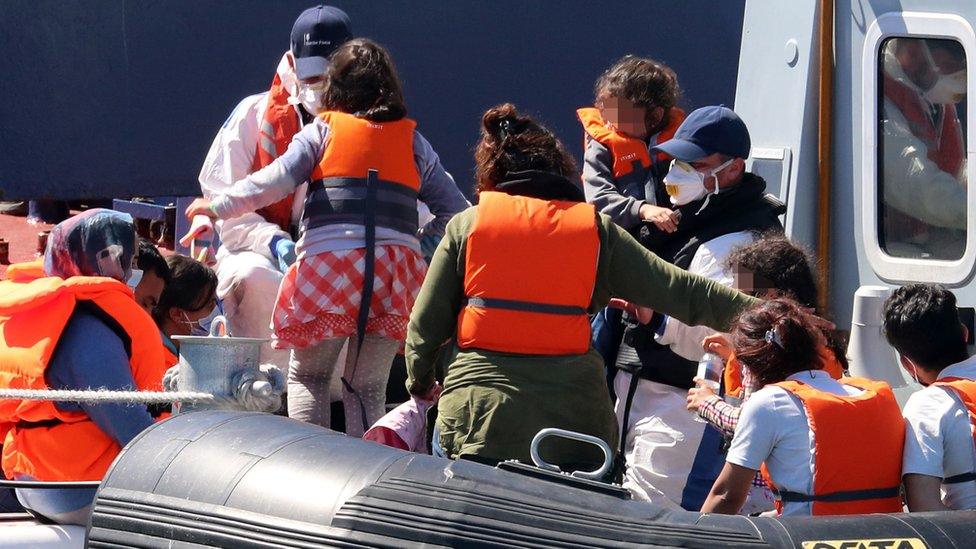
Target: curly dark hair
511 142
362 80
922 323
647 83
792 346
782 263
788 268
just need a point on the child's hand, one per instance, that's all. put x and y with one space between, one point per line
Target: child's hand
697 396
662 218
718 344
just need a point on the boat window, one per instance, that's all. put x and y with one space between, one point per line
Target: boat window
922 103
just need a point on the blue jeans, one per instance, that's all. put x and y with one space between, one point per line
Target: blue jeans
435 445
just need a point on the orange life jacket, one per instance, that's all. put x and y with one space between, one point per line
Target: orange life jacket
629 153
278 126
42 441
965 390
858 444
365 163
29 270
530 268
733 371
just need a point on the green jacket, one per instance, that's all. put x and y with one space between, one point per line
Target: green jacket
494 403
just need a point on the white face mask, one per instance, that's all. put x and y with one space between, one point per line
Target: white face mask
949 89
310 96
134 278
686 184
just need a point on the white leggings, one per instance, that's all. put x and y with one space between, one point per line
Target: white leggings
310 373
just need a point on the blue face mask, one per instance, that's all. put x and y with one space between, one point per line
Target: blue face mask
202 327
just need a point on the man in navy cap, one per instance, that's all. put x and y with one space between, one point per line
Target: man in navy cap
258 247
672 457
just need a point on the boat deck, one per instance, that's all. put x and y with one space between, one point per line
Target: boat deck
21 237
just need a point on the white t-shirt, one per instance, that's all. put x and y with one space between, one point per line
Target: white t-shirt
939 439
773 428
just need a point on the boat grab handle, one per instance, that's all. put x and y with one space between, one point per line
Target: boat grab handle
572 435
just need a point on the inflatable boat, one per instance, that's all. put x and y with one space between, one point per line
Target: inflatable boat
238 479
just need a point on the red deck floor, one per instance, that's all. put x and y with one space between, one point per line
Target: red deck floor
21 237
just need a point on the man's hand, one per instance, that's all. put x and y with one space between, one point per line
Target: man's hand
641 313
662 218
200 206
698 395
718 344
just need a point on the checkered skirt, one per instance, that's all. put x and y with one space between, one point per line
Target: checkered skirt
320 295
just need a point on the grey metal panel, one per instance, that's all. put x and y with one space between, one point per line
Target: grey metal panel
117 98
776 97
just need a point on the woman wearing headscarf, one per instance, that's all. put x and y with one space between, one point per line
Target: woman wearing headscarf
511 284
73 323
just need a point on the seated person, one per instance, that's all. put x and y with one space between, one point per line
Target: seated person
854 424
767 267
188 303
922 324
74 325
149 276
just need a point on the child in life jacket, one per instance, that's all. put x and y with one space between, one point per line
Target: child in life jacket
359 264
854 463
770 266
635 108
939 464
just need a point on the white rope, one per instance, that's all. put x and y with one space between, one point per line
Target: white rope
96 396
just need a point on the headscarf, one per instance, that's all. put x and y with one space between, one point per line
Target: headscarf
96 242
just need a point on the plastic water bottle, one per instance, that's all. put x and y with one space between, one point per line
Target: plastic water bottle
710 369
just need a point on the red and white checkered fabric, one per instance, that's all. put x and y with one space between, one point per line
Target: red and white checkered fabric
320 295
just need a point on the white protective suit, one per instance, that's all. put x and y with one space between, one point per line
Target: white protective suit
247 271
663 437
913 183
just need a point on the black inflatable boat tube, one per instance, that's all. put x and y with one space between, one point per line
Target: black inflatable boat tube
236 479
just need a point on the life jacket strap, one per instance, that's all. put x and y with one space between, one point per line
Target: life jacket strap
337 200
834 497
524 306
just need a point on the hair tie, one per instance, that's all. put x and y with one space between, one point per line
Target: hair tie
772 336
505 128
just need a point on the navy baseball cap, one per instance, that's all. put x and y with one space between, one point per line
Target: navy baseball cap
707 131
317 33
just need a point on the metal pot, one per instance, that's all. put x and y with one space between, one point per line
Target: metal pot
215 364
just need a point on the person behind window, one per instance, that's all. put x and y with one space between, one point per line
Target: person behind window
510 287
74 324
188 302
923 147
853 465
152 273
921 322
